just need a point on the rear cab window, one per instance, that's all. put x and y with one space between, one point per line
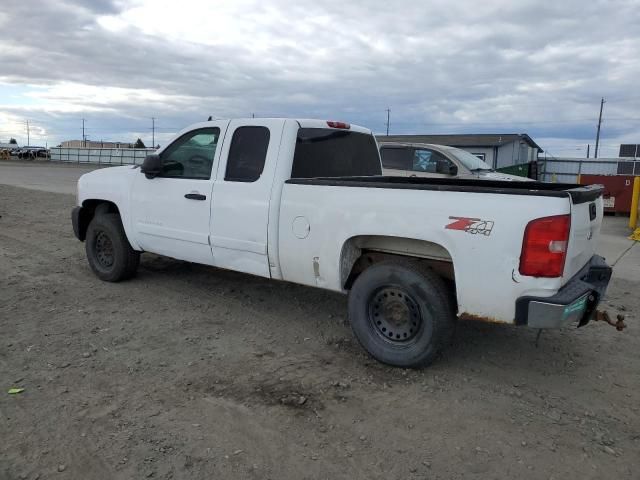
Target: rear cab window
325 152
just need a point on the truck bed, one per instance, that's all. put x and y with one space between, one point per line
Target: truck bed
578 193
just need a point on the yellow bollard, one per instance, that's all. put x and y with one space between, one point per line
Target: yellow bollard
633 216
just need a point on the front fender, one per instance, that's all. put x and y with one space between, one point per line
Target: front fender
112 185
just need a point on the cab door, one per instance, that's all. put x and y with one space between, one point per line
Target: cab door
171 212
242 192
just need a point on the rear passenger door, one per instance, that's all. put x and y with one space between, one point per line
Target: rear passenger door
241 194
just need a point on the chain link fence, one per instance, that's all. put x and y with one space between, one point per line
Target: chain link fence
567 170
100 156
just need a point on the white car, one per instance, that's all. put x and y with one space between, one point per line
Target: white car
437 161
303 201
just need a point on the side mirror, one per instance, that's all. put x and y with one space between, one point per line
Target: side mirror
453 170
152 166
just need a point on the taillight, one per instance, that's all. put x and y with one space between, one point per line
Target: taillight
544 248
342 125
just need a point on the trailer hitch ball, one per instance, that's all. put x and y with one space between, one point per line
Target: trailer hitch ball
603 316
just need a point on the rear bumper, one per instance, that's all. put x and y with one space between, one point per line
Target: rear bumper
575 302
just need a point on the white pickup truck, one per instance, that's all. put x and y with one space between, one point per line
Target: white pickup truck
304 201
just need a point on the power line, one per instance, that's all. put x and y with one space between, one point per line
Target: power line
417 123
138 128
514 122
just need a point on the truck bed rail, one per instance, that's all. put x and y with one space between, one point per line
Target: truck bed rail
578 193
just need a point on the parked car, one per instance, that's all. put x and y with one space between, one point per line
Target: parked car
33 152
303 201
437 161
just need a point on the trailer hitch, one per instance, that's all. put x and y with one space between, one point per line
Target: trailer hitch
603 316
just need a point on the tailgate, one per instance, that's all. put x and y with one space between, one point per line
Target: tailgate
586 220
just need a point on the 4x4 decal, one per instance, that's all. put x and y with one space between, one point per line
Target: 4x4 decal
471 225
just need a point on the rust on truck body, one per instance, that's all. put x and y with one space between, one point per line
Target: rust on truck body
480 318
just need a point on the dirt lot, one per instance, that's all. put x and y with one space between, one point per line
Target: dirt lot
192 372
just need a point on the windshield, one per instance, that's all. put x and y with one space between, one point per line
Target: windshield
467 159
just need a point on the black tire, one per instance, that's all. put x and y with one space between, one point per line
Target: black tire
109 253
401 313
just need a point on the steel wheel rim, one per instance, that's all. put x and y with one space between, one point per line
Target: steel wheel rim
104 250
394 315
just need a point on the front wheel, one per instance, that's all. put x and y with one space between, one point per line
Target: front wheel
108 251
401 313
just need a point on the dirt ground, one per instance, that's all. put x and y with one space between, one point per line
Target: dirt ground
190 372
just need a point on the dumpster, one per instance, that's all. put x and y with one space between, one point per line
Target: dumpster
618 191
529 170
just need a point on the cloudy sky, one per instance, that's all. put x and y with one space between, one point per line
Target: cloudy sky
441 66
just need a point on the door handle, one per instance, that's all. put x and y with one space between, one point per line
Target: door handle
195 196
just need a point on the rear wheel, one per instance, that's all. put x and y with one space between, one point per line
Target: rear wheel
108 251
401 313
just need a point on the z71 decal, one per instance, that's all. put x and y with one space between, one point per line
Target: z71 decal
471 225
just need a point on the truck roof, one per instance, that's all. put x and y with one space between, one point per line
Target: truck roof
303 122
314 123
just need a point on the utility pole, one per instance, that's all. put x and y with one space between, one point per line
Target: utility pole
84 140
388 119
153 132
602 102
588 149
28 134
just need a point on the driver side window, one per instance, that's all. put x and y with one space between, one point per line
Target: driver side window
191 156
430 161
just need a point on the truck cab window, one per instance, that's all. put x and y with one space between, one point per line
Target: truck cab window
247 154
191 156
323 152
396 158
429 161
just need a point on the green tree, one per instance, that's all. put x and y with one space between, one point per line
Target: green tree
13 141
139 144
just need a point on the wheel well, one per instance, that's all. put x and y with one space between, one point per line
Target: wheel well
89 210
359 253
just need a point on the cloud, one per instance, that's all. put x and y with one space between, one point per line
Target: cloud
441 66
